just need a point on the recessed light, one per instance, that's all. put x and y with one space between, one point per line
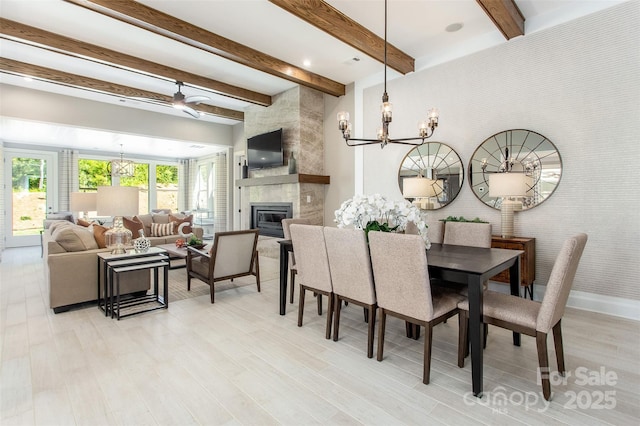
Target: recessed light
306 63
452 28
28 79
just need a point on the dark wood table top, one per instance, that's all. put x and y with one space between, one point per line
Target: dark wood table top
475 260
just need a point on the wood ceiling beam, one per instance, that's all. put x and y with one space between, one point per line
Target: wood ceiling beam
82 50
150 19
87 83
330 20
505 15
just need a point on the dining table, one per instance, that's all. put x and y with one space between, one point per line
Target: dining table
471 266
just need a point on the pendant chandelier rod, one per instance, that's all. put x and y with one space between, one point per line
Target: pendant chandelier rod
425 128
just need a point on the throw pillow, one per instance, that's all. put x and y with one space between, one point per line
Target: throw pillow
134 225
161 229
98 234
177 221
160 217
84 223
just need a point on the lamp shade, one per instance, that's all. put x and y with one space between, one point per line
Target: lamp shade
83 201
507 185
117 200
418 187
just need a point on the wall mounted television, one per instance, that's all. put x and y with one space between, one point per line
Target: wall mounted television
265 150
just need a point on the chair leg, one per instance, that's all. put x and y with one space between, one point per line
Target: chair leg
188 282
462 337
543 361
327 334
381 329
371 330
336 319
293 285
557 340
319 297
426 363
258 272
301 306
212 292
486 333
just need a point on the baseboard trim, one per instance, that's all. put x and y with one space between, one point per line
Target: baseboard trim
609 305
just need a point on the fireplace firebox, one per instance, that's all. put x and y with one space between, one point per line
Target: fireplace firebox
267 217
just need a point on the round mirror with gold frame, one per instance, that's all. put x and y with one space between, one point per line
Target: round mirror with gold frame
431 175
516 151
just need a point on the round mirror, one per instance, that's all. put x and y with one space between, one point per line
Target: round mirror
516 151
431 175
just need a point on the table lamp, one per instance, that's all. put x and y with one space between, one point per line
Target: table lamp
418 188
508 186
117 201
83 202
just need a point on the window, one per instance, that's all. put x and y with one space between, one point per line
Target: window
167 187
141 180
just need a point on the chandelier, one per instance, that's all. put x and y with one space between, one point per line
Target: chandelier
425 127
121 167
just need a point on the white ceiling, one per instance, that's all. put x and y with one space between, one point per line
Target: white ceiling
416 27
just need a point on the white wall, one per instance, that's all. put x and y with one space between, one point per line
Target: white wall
579 85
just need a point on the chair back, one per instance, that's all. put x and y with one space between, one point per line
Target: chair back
560 282
233 253
286 223
350 264
311 256
399 263
435 231
468 234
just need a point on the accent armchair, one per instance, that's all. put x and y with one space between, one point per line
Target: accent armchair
233 255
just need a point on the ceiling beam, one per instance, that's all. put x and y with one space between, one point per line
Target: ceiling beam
150 19
505 15
330 20
82 50
87 83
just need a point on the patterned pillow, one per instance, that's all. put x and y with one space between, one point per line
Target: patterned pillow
161 229
177 220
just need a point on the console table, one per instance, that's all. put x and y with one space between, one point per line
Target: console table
527 260
110 266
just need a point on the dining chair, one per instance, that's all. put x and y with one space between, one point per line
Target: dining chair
313 268
286 223
403 290
536 318
232 255
467 234
351 276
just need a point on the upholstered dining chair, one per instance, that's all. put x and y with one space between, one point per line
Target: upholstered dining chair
313 267
286 223
403 290
467 234
232 255
351 276
536 318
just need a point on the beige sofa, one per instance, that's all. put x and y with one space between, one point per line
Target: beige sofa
71 265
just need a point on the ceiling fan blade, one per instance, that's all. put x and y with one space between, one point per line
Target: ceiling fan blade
192 112
196 99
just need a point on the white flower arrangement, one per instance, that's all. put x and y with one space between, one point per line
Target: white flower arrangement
370 212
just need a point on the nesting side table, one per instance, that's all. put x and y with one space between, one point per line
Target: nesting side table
111 266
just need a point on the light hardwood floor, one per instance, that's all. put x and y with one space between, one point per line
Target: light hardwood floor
239 362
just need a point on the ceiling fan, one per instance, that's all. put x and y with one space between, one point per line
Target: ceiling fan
186 103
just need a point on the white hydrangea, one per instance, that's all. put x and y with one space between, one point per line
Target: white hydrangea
360 210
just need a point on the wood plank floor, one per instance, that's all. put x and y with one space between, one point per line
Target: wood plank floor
239 362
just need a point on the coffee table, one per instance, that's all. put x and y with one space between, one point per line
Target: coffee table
177 255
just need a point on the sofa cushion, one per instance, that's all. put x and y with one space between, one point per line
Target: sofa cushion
180 219
161 229
134 225
160 217
74 238
147 220
98 234
55 224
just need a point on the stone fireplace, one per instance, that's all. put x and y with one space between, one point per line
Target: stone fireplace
267 217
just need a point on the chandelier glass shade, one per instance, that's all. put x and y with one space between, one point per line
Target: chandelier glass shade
426 127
